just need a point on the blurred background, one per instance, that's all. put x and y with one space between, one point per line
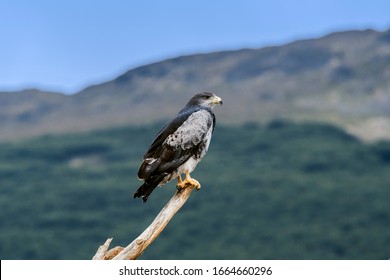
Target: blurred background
299 165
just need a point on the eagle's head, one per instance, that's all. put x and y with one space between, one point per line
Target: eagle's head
205 99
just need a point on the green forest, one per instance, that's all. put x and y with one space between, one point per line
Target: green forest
277 191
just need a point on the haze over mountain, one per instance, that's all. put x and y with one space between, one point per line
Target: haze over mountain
342 78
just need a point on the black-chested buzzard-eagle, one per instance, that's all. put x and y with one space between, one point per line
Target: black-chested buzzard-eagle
179 146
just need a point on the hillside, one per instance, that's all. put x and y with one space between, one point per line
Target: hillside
281 191
342 78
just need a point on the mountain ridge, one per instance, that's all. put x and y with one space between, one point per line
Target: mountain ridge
341 78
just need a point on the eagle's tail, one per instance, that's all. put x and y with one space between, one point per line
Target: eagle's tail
147 188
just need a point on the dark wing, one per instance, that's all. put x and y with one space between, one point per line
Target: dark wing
177 142
167 130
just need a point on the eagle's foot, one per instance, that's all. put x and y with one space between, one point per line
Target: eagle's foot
188 182
181 184
194 183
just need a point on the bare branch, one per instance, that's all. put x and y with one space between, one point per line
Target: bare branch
138 246
113 252
102 250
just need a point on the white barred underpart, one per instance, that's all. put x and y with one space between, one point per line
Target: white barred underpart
192 131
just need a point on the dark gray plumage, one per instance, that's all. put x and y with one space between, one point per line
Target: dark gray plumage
179 146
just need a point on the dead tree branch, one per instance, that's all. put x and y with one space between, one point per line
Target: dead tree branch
138 246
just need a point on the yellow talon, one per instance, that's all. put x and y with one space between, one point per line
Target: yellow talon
188 181
180 184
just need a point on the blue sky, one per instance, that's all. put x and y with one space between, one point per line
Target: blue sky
67 45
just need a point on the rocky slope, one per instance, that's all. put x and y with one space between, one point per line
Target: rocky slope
342 78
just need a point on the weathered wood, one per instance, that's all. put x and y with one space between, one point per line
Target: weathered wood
113 252
102 250
138 246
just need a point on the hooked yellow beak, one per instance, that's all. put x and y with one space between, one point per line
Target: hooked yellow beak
217 100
